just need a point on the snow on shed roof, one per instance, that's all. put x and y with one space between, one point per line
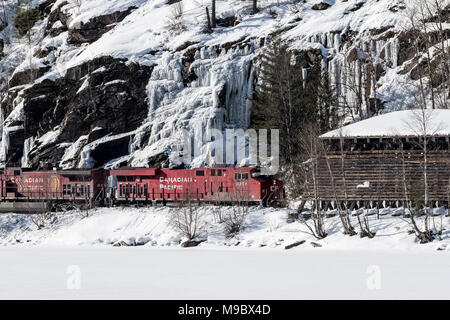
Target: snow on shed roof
398 123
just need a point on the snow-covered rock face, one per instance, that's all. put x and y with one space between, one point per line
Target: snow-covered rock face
214 95
105 83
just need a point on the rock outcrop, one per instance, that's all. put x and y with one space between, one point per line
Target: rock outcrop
100 89
104 93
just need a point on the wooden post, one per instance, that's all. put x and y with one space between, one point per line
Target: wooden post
208 19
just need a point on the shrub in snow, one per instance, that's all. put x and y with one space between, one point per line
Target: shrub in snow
188 220
234 221
175 21
40 220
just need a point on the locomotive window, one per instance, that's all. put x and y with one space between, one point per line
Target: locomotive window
130 178
241 176
121 178
219 172
200 173
213 172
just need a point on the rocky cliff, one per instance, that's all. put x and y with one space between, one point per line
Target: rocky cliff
112 82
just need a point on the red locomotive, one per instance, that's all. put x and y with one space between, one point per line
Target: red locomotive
22 187
219 185
75 185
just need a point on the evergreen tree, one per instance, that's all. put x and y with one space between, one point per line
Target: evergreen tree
25 17
328 104
322 99
283 99
279 101
286 101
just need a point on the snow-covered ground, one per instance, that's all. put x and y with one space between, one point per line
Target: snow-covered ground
264 227
74 257
203 273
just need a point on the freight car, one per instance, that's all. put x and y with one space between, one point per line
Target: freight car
23 190
213 185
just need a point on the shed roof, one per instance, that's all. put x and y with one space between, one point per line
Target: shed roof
405 123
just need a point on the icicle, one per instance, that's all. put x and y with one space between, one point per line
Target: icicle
27 146
395 52
337 41
304 76
323 40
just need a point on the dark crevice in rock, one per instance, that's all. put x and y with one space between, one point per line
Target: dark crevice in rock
320 6
186 72
227 22
109 150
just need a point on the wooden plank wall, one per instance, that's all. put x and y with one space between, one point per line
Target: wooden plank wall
383 170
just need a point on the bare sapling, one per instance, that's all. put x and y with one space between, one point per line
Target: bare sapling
188 219
234 221
312 149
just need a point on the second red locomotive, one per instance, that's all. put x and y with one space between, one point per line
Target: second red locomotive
219 185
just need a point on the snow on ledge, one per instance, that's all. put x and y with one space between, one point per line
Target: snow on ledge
398 123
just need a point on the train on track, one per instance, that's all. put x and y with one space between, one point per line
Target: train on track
24 190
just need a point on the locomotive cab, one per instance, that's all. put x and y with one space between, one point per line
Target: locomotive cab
272 191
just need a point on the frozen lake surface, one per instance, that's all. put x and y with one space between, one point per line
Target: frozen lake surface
221 273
